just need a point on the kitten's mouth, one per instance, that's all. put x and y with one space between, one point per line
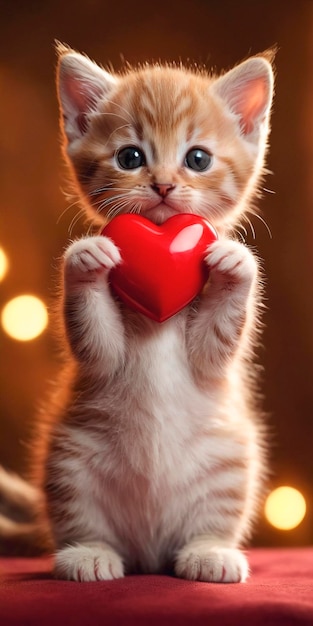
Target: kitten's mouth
160 213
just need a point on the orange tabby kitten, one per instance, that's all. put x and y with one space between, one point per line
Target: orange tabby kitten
155 455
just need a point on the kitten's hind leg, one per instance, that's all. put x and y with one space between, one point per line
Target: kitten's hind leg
88 562
209 561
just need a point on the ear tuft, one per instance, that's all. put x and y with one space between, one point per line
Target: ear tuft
81 84
269 54
61 48
247 90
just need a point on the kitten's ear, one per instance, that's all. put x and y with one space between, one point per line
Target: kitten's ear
81 84
247 90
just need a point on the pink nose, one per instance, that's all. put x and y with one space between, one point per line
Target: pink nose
162 188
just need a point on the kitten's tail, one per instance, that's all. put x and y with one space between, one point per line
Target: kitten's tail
20 509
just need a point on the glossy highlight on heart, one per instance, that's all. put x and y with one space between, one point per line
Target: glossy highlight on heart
163 267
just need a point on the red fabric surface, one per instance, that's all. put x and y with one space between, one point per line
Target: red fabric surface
279 592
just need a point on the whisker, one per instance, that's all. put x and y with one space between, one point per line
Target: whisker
115 131
211 210
66 210
90 227
95 192
241 231
244 229
130 117
136 208
251 226
259 217
107 201
240 234
74 221
113 114
118 207
94 221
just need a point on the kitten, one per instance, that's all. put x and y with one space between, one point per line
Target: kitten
155 453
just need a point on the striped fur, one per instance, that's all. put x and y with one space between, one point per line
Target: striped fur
155 460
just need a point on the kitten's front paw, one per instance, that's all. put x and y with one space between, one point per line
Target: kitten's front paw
90 257
88 563
231 263
212 564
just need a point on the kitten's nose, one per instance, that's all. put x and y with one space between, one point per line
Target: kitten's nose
162 188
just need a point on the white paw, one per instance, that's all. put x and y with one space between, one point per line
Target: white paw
231 262
209 564
87 563
87 257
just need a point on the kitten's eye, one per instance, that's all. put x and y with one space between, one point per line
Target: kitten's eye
130 158
198 160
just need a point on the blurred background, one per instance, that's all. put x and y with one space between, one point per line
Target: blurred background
35 215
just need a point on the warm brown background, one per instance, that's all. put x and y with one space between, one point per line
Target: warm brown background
219 33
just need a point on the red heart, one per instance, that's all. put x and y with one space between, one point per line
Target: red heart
162 268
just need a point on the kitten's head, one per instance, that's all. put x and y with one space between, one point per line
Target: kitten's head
160 140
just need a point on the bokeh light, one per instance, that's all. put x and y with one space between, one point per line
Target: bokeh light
4 264
285 508
24 317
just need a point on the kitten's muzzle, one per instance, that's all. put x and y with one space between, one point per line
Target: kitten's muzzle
162 189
